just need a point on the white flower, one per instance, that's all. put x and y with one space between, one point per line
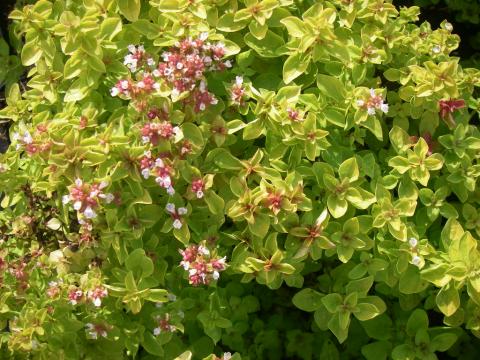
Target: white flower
360 102
156 86
78 182
175 92
227 356
114 91
141 48
199 194
182 211
372 92
124 84
157 331
170 208
192 271
77 205
109 198
141 84
65 199
159 163
150 62
145 139
416 260
156 73
384 108
203 36
89 213
214 101
97 302
177 224
27 138
185 265
371 111
203 250
413 242
436 49
179 65
215 275
448 26
228 64
132 48
146 173
15 136
239 80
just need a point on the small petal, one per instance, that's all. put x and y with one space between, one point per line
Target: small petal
65 199
77 205
170 208
177 224
182 211
89 213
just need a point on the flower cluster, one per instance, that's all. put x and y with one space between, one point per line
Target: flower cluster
95 330
201 265
95 295
416 260
294 115
32 146
75 296
237 92
176 214
164 325
184 67
86 197
162 171
373 103
198 188
137 57
153 132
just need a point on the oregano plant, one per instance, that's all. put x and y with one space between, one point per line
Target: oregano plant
238 179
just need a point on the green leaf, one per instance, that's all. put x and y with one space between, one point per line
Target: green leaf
266 47
31 53
130 9
331 87
418 320
448 299
443 342
294 66
349 170
214 202
307 300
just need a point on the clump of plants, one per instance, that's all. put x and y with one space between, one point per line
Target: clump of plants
239 179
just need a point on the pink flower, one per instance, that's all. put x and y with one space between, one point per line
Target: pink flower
176 214
96 295
96 330
201 265
237 91
373 103
86 197
75 296
197 188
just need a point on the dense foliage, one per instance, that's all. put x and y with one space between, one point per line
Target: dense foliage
252 179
